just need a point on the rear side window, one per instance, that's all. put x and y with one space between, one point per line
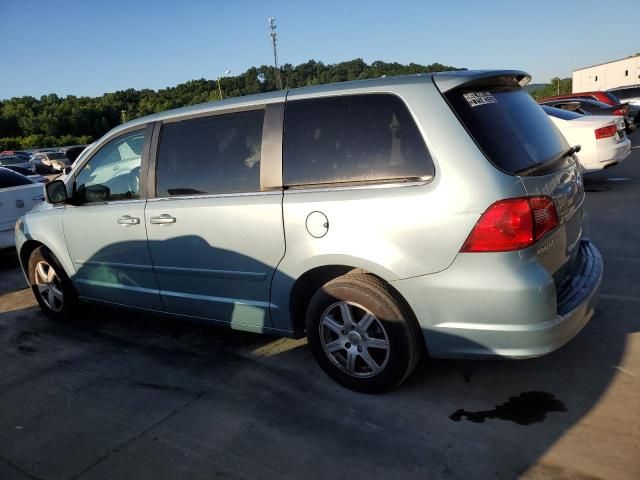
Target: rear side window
508 126
352 139
12 179
211 155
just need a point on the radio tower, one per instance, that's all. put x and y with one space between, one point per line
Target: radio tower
274 40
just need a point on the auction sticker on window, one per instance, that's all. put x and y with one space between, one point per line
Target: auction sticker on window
475 99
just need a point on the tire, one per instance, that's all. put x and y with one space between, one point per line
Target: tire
383 329
54 291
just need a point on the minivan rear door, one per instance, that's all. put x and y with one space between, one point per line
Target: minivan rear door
518 138
215 234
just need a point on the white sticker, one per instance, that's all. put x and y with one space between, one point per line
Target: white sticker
475 99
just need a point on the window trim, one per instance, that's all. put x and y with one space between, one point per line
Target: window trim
148 130
357 184
266 184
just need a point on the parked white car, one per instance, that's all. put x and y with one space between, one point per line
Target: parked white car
18 195
602 137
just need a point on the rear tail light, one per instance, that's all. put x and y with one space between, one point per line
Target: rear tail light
621 111
512 224
606 132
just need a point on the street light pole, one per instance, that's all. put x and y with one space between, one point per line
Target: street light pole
226 72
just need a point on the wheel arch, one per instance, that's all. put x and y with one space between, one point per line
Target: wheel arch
26 249
311 280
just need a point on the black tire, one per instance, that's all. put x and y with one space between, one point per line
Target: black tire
402 334
69 304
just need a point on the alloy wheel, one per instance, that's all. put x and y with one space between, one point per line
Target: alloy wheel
49 286
354 339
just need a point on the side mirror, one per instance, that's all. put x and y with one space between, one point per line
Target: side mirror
55 192
67 170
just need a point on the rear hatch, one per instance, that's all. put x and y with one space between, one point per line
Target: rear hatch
518 138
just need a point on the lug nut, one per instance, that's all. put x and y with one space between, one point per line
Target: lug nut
347 345
360 349
344 332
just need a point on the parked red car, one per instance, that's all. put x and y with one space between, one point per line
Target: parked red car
604 97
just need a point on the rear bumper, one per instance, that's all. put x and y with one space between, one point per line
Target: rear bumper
494 311
610 156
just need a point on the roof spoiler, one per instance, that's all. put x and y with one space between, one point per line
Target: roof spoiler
446 81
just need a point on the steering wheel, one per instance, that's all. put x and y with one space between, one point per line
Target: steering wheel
133 180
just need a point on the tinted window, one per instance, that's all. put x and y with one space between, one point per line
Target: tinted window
11 160
56 156
113 173
625 93
20 170
559 113
597 103
352 138
12 179
613 97
211 155
508 125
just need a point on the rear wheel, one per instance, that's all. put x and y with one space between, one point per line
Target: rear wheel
362 334
51 285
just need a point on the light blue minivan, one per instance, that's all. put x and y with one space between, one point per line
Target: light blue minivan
384 219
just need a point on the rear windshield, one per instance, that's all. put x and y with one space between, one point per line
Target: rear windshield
11 160
597 103
508 126
12 179
625 93
56 156
560 113
611 96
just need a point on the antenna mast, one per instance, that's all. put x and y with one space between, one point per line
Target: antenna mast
274 41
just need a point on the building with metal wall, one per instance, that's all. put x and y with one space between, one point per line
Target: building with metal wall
617 73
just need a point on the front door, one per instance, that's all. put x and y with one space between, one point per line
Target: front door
105 227
215 237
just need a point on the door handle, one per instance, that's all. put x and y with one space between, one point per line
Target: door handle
127 220
163 219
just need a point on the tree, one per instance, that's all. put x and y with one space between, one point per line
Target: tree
27 122
557 86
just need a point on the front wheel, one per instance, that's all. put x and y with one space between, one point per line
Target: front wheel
51 285
362 334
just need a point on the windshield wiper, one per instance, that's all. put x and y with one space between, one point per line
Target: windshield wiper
550 165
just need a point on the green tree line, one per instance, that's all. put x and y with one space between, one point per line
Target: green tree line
556 86
28 122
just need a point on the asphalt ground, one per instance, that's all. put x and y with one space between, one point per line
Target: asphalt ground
122 395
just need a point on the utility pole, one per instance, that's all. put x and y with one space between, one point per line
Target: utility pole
274 35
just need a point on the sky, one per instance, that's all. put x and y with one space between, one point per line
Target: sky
87 48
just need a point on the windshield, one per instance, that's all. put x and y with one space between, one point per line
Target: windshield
561 114
56 156
508 125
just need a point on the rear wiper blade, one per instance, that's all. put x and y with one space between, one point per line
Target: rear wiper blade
549 165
